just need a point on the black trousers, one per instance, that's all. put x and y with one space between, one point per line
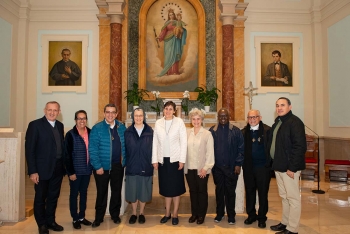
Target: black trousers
257 179
225 181
46 196
198 193
78 187
115 178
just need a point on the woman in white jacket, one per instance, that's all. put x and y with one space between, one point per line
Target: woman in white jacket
169 157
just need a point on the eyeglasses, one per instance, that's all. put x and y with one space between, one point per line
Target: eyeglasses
111 112
81 119
138 115
253 117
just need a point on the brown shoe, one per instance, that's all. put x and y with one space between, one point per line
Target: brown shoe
192 219
200 220
278 227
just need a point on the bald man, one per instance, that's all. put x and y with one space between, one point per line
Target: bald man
256 167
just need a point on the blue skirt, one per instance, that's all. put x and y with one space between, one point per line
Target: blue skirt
171 180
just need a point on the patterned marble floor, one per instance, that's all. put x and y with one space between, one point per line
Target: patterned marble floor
327 213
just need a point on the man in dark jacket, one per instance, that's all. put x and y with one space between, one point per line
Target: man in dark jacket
256 168
229 156
44 151
287 147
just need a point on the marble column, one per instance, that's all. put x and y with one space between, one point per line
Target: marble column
115 84
228 14
227 70
232 17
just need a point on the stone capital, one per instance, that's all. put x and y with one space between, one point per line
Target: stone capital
112 9
228 10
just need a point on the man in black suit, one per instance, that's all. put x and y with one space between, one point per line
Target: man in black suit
43 150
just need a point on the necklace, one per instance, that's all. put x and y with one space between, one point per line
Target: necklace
165 123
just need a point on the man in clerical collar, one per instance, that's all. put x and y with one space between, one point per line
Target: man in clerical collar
287 147
277 73
107 157
229 156
256 168
44 150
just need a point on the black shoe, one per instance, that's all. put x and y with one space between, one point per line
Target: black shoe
142 219
165 219
200 220
231 221
175 221
85 222
132 219
262 224
286 232
56 227
76 224
218 218
95 224
117 220
249 220
278 227
192 219
43 229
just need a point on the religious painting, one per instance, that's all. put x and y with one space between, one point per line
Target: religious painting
277 64
172 58
64 63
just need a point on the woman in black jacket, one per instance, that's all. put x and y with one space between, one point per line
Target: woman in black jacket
139 168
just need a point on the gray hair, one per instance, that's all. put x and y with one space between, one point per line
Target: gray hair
196 111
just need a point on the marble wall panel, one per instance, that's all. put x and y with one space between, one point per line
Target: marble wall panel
12 178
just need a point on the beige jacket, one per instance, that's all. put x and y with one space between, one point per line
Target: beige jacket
178 141
205 155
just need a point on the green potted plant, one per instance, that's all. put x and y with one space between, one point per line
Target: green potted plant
207 96
135 95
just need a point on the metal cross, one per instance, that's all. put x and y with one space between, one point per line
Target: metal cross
250 94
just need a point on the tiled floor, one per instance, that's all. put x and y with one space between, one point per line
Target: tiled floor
327 213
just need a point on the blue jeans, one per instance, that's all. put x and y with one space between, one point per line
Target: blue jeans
79 186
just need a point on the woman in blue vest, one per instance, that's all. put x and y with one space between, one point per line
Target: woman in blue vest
79 169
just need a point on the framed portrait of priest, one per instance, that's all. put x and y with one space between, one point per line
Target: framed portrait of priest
277 64
64 63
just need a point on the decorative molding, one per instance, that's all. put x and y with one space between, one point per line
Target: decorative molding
12 7
332 8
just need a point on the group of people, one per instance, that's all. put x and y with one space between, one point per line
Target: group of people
175 152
